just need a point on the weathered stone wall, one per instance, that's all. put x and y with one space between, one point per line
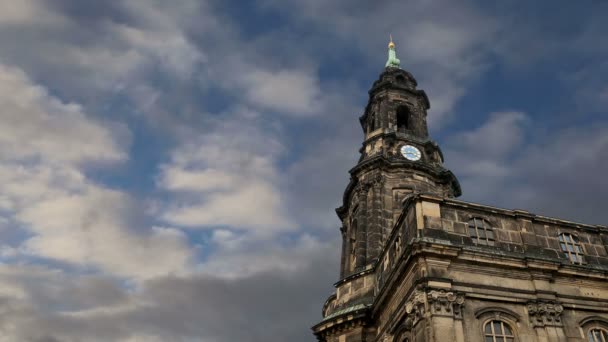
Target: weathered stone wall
518 232
435 283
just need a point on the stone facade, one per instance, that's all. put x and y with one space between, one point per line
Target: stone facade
418 265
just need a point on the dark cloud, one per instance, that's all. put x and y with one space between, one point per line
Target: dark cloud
267 306
560 174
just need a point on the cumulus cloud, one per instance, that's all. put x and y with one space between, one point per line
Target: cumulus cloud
45 144
227 177
287 91
92 51
39 126
28 11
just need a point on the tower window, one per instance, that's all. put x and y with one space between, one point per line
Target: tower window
403 114
598 335
400 78
481 232
498 331
353 243
372 122
571 248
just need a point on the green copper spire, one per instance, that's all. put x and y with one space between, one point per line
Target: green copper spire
392 61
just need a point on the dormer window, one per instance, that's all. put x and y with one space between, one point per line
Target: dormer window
571 248
403 115
481 232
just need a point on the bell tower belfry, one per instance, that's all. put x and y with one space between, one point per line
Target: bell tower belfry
397 158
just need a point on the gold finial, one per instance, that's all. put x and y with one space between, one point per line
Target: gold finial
391 44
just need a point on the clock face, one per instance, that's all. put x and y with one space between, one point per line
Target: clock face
410 152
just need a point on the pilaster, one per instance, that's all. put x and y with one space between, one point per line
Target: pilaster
545 317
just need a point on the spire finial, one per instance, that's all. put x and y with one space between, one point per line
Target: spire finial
392 61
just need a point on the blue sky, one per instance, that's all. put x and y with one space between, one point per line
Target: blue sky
170 169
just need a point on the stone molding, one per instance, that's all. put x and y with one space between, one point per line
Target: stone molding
545 313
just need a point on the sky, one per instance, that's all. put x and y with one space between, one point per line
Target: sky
170 169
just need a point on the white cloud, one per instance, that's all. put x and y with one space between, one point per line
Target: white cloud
85 57
28 12
291 92
91 229
37 125
227 177
44 143
170 48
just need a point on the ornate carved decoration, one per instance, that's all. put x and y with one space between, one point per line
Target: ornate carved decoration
545 313
433 302
446 303
415 309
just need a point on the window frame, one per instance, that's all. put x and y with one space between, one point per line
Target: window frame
571 248
603 331
502 337
488 238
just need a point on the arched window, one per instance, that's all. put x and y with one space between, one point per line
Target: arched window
403 114
400 78
597 335
481 232
372 122
498 331
571 248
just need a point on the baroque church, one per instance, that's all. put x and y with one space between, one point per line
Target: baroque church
419 265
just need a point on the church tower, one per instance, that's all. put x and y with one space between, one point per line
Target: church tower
397 158
418 265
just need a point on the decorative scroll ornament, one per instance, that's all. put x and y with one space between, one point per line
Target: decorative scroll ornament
545 313
446 303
